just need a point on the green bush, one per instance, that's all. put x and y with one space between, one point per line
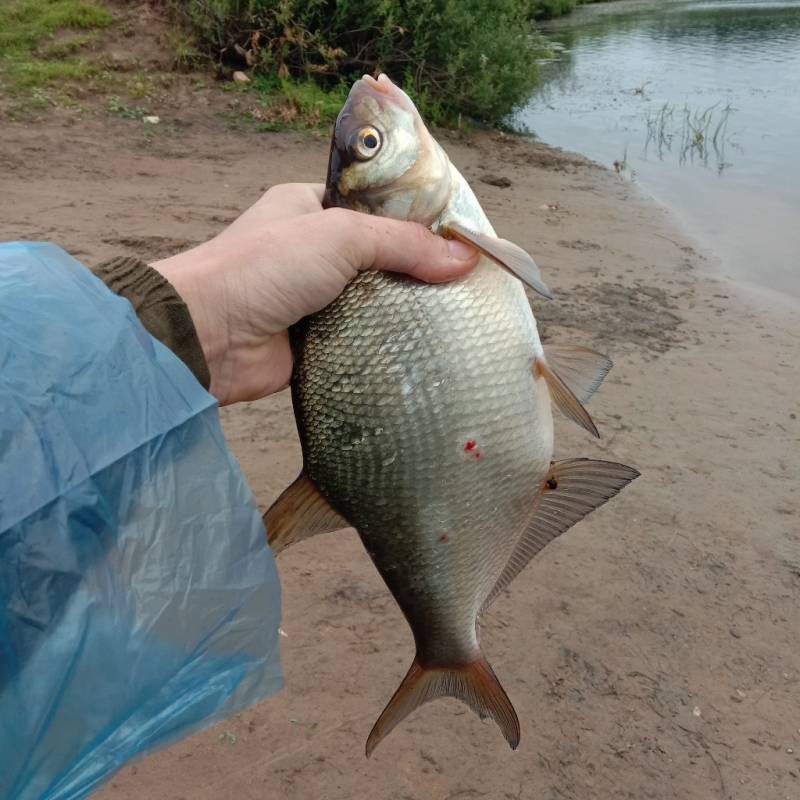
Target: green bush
472 57
548 9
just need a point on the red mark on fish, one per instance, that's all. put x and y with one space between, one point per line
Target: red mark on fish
471 449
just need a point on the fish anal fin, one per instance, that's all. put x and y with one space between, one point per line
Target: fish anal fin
581 369
564 398
571 490
474 683
299 513
507 254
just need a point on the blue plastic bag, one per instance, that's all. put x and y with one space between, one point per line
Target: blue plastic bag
138 598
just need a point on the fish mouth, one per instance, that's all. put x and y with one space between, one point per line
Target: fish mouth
339 160
382 90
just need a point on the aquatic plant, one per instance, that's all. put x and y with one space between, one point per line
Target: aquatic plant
700 134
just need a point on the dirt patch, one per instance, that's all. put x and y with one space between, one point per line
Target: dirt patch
580 244
617 314
497 180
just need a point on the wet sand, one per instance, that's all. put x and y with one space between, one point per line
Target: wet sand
652 652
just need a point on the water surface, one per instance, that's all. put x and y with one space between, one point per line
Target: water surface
700 103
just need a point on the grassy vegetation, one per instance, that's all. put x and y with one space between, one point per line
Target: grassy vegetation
186 54
40 41
473 57
293 103
114 105
274 104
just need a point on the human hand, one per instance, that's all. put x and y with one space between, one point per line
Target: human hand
281 260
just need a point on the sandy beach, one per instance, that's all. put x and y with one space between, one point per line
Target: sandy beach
653 651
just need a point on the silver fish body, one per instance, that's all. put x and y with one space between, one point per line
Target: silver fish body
423 425
424 413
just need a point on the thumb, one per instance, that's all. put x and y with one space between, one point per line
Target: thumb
371 242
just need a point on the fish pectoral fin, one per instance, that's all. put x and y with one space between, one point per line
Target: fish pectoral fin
300 513
581 369
571 490
474 684
563 397
507 254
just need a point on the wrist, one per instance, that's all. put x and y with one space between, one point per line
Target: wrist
194 274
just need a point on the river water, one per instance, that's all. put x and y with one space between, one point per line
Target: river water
699 103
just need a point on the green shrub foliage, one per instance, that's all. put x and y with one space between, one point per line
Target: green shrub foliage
471 57
547 9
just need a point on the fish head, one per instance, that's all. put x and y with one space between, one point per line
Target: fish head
383 159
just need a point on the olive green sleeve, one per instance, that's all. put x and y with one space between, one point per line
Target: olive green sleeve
159 308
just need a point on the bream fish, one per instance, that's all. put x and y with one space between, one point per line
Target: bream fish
424 413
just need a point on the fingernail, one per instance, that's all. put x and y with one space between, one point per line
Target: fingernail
460 251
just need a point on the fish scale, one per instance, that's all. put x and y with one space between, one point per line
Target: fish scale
466 377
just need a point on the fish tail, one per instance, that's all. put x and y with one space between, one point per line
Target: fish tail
474 684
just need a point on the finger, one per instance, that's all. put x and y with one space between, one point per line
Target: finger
407 247
318 189
286 200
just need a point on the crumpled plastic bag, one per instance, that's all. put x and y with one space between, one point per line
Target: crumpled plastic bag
138 598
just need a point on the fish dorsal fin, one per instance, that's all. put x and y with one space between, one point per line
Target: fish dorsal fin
507 254
473 683
563 397
572 489
581 369
300 513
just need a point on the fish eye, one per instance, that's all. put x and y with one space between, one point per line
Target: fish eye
367 143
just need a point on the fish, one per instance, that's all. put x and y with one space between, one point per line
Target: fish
425 413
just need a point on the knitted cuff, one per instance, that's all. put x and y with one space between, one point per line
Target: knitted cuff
159 308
